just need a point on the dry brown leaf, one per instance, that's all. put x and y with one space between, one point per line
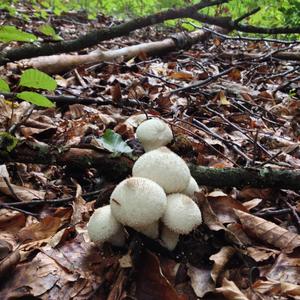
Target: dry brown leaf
223 205
285 269
220 259
5 248
252 203
47 227
9 263
11 221
181 76
231 291
201 280
277 289
261 254
116 92
23 193
151 284
269 232
211 220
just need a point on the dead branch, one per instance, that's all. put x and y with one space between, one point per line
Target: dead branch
55 64
95 37
30 152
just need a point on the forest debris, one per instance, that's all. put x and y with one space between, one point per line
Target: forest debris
231 291
269 232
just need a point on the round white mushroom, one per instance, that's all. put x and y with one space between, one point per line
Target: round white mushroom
191 188
154 133
165 168
138 202
103 227
169 238
182 214
151 231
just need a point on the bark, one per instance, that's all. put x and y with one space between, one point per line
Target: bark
95 37
120 167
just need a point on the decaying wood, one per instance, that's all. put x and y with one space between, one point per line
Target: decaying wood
95 37
120 167
60 63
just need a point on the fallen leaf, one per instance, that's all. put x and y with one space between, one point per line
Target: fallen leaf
269 232
276 288
201 280
8 264
47 227
151 284
285 269
220 259
231 291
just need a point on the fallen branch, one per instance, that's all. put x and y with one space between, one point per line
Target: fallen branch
120 167
55 64
97 36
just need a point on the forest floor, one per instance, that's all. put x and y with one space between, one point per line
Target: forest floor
248 244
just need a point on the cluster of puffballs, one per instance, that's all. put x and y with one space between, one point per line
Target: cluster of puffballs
156 200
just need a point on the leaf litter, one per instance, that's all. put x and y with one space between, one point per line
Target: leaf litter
248 246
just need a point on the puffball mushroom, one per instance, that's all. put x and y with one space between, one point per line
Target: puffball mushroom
191 188
138 202
151 231
154 133
169 238
102 227
181 217
165 168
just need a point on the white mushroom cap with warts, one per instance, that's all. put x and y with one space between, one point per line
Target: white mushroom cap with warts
154 133
191 188
165 168
169 238
102 227
182 214
138 202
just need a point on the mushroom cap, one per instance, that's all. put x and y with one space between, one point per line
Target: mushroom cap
102 225
154 133
182 214
169 238
165 168
191 188
138 202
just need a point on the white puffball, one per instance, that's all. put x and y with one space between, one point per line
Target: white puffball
154 133
165 168
138 202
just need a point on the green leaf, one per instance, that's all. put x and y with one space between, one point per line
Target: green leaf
36 99
4 87
48 30
113 142
7 141
11 33
38 80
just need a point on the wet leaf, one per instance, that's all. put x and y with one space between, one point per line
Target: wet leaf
231 291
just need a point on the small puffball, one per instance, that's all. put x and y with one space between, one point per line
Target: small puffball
102 227
182 214
191 188
165 168
138 202
169 238
154 133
